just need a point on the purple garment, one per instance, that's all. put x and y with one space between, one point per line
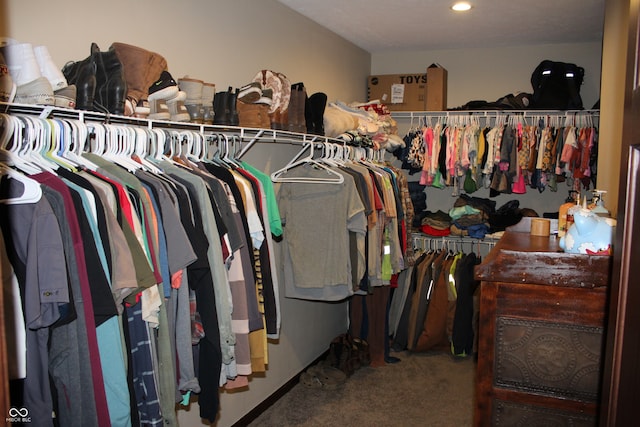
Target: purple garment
98 382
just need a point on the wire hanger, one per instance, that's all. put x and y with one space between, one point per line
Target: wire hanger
333 177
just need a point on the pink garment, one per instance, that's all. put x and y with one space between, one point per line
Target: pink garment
426 178
519 186
465 161
427 136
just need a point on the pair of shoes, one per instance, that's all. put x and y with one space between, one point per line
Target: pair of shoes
323 376
253 115
66 97
166 100
142 109
199 101
363 352
266 97
225 110
253 106
250 93
7 86
99 80
33 73
37 92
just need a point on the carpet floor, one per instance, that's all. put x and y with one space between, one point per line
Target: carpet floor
423 389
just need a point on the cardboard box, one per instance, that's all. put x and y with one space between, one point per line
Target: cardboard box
436 88
399 92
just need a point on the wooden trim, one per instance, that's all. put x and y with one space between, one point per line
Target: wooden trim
486 347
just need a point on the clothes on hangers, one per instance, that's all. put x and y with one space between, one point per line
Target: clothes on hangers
145 262
506 155
433 307
317 219
362 226
348 241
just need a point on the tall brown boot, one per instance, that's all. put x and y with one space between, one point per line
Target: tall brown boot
141 69
292 124
297 121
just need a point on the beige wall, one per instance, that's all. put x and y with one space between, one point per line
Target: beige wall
492 72
222 41
488 74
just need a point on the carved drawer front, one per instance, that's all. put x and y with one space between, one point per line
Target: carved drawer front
509 414
553 359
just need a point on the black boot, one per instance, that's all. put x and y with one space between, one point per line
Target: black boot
82 74
111 90
317 104
220 108
232 98
85 82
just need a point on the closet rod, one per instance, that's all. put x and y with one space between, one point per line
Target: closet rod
423 241
492 113
248 135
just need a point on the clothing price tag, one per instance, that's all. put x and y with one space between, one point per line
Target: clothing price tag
397 93
387 249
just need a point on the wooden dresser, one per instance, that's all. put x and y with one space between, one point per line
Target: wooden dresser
540 335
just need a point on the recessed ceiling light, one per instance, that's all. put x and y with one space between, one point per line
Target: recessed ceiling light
461 6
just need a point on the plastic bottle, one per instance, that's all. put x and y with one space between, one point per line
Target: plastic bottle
597 204
564 218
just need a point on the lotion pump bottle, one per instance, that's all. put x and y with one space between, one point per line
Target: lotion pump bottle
597 204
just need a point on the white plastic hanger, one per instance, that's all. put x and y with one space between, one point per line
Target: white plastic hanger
229 156
119 143
333 177
97 144
58 136
197 151
184 143
32 192
12 130
73 149
36 143
216 155
11 140
141 143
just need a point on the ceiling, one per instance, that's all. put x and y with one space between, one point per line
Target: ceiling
405 25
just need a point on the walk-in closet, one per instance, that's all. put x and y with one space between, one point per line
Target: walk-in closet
206 221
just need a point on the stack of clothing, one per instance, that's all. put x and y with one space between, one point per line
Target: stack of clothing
470 216
436 224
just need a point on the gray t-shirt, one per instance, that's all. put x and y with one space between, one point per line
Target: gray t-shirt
317 218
